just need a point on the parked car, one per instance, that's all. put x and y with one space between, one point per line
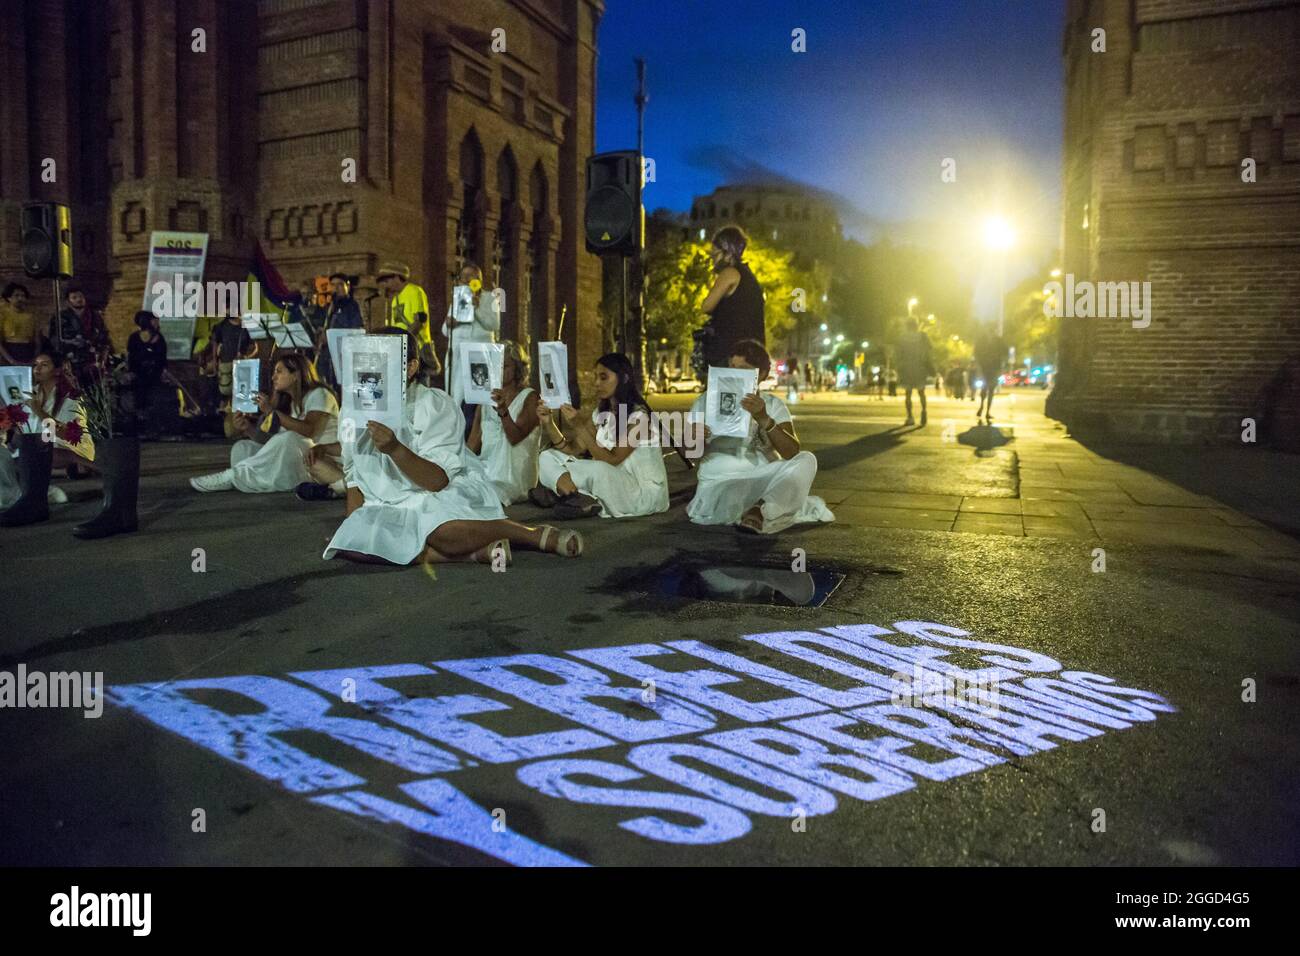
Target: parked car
687 383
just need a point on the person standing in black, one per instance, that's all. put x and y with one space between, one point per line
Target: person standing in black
343 313
80 333
146 359
991 356
734 304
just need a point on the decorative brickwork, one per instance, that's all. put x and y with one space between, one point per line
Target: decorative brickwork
1157 128
248 140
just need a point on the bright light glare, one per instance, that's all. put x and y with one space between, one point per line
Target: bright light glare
998 234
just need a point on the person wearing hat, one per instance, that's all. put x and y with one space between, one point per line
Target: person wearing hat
408 308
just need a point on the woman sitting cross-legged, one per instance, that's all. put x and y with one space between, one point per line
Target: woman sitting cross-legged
625 475
420 496
307 414
505 434
758 483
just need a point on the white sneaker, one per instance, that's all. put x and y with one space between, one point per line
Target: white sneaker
56 495
218 481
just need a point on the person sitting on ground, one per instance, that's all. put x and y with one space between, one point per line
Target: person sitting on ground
25 489
418 496
306 413
505 435
758 483
624 477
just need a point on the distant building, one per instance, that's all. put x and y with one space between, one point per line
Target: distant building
776 215
467 121
1190 100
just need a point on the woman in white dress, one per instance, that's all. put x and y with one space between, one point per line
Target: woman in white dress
505 434
625 475
758 483
308 415
421 497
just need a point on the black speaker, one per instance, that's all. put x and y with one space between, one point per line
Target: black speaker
614 220
47 241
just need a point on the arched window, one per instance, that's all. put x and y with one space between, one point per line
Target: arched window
507 177
470 232
537 195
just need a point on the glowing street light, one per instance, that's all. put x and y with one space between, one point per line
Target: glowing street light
866 344
823 326
1056 273
999 236
839 338
826 341
911 304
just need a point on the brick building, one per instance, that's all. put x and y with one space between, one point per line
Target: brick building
1157 128
469 122
776 214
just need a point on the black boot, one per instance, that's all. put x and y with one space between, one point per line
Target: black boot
118 460
35 458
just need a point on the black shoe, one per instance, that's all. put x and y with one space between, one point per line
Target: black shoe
577 505
118 460
543 497
312 491
33 465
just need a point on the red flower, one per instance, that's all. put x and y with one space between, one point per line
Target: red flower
12 416
70 432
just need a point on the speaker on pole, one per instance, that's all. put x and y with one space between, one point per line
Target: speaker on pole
614 220
47 240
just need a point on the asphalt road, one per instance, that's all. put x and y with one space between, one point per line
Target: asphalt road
1193 774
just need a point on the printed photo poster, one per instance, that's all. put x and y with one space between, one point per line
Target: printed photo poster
373 376
178 333
175 258
553 373
479 365
15 384
723 414
333 337
246 381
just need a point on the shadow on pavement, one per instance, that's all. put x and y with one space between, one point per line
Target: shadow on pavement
860 449
984 438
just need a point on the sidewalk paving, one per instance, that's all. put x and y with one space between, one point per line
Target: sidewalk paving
1038 482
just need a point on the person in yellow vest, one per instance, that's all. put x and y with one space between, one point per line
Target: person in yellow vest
17 327
408 308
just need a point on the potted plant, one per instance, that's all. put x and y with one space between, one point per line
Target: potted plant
117 453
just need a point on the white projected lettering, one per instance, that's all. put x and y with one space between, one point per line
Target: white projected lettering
724 744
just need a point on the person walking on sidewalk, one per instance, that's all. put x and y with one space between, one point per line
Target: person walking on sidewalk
914 364
990 353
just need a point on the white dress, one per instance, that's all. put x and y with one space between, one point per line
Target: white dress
398 516
639 486
511 468
735 473
280 463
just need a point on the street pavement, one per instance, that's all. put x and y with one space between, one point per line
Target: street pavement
1016 534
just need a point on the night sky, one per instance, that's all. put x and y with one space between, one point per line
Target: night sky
885 91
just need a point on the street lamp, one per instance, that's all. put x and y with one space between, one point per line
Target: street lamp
999 236
839 338
911 304
826 341
823 326
866 344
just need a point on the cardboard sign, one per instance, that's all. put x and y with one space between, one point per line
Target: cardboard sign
246 380
553 373
723 414
372 373
480 366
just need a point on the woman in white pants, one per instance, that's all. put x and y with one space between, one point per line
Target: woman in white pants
625 475
308 415
505 434
758 483
419 496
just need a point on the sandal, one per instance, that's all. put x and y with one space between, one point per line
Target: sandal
488 554
577 505
750 523
562 543
543 497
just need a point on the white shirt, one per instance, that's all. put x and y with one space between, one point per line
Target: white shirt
321 400
755 447
481 322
